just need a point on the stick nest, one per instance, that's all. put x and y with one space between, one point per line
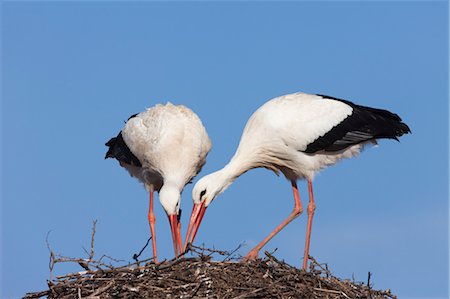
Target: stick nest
209 273
202 277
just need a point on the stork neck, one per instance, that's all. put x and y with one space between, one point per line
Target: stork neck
234 169
174 184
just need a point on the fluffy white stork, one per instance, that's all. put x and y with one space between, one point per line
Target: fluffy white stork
164 147
297 134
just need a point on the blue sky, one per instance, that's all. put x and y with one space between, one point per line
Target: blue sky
73 72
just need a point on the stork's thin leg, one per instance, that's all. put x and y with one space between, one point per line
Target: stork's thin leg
151 221
310 210
298 209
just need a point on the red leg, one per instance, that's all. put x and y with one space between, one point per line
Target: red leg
151 221
253 254
310 210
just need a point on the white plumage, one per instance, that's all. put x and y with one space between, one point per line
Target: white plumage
279 131
170 144
298 134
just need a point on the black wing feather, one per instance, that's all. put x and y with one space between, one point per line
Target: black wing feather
119 150
364 124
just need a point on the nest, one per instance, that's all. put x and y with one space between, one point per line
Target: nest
202 277
209 273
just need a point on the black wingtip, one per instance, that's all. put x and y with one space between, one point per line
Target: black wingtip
111 143
363 124
403 129
108 154
120 151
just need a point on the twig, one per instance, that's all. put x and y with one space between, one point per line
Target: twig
85 263
135 256
51 262
109 266
201 250
228 257
328 291
368 284
94 228
103 289
194 292
175 261
36 295
246 295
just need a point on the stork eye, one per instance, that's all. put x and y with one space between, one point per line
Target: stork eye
202 193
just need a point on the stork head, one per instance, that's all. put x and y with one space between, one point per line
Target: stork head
206 189
204 192
170 197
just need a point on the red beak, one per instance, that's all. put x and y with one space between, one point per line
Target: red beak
175 226
198 211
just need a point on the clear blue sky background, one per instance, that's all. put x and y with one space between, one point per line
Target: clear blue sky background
73 72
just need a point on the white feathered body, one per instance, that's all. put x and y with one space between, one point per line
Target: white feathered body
171 143
278 132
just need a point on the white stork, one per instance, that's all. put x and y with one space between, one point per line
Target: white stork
164 147
297 134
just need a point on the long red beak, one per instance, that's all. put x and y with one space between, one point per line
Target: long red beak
175 226
198 211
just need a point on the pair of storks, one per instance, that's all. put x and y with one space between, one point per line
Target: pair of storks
298 134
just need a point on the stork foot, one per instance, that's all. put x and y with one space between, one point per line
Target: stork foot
252 255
